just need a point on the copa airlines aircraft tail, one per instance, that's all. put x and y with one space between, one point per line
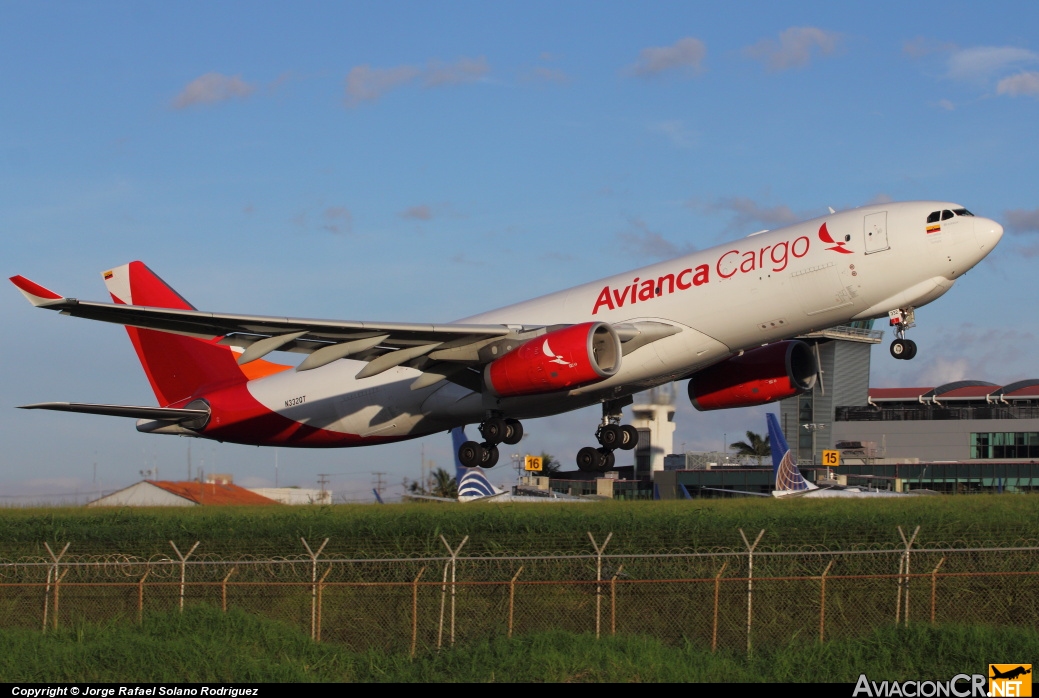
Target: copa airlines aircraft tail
726 318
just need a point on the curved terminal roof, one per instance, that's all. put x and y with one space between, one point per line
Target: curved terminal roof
960 390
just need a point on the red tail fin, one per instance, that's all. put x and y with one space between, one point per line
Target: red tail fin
177 367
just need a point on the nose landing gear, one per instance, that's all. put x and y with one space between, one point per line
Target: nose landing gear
901 320
494 430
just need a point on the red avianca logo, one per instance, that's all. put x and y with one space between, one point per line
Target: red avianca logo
839 245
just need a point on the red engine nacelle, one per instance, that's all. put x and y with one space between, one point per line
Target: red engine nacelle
567 358
756 377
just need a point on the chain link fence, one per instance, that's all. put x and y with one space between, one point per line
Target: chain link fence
735 599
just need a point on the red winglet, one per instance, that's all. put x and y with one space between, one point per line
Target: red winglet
37 295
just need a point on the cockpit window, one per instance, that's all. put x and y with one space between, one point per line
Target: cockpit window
946 215
962 212
934 216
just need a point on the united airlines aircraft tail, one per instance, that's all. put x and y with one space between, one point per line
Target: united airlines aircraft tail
788 479
178 367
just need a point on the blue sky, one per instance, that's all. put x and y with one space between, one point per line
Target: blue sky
427 161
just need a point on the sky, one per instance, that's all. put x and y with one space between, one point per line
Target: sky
423 162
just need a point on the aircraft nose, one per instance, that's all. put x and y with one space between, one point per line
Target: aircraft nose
988 232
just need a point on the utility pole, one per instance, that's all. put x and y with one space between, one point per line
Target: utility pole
377 482
322 483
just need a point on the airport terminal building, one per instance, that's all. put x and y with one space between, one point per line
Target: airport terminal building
962 421
970 420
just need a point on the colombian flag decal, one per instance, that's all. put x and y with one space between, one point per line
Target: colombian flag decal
934 228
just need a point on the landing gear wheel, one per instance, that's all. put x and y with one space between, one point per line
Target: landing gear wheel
471 454
899 350
491 456
910 349
513 431
631 437
588 459
494 430
608 460
610 436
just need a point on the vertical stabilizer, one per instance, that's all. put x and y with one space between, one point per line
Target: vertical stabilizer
788 478
177 367
472 482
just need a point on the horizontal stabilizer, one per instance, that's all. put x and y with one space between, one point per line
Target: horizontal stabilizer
164 413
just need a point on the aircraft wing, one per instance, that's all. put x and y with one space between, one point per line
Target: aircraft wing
441 351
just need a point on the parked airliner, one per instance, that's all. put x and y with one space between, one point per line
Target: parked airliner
724 318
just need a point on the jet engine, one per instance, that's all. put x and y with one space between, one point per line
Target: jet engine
755 377
568 358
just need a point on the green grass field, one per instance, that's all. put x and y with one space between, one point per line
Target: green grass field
512 529
204 645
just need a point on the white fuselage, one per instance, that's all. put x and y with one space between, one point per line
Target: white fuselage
778 284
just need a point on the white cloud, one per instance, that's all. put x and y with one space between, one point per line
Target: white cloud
685 55
794 47
422 212
1020 84
921 46
946 104
640 241
747 213
364 83
1021 221
982 63
337 220
367 84
544 74
676 132
211 88
462 70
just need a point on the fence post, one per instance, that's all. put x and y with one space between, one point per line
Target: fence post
183 568
140 596
512 597
717 585
223 589
898 593
57 585
822 601
443 591
909 544
934 588
47 598
414 612
320 591
598 577
313 585
750 579
613 601
47 593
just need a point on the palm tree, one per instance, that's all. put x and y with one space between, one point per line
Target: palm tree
443 483
756 446
550 465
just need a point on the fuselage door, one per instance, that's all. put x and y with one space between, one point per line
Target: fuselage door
875 232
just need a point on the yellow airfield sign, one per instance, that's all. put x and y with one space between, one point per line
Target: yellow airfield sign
532 463
831 459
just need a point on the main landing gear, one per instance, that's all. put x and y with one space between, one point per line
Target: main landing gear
494 431
610 436
902 320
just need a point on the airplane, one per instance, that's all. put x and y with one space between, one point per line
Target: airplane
724 318
473 485
790 483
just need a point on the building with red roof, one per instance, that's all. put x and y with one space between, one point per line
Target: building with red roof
165 493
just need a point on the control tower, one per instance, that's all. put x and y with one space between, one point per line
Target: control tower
654 417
